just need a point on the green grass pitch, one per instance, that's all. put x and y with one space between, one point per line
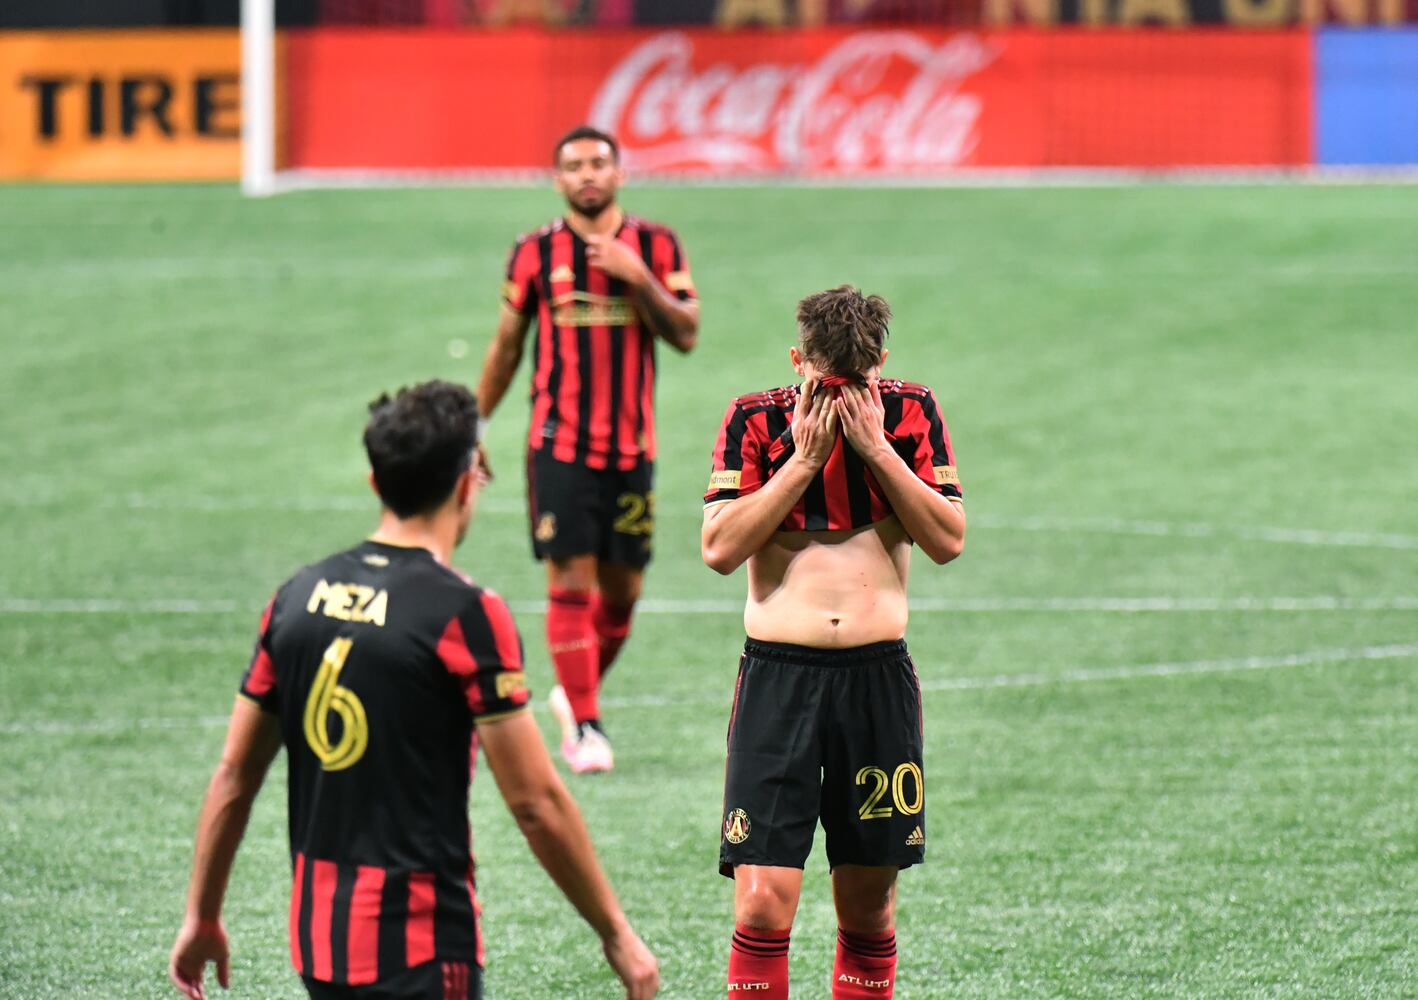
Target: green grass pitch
1171 702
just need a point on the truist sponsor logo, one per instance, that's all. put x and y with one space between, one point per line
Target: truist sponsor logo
883 100
749 987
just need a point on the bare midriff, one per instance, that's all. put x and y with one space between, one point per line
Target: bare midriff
830 589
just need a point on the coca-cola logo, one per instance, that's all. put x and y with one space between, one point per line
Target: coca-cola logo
878 100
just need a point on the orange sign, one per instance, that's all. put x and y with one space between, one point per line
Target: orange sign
120 105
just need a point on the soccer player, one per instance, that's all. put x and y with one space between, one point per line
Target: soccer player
381 669
603 286
823 488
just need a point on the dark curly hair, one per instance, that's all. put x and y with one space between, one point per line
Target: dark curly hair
419 441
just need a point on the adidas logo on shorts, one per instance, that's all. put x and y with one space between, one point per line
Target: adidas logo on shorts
917 838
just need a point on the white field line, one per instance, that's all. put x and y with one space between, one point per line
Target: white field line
1141 671
504 507
712 606
1201 529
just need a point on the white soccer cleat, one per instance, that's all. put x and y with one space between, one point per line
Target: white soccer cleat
590 753
560 707
584 747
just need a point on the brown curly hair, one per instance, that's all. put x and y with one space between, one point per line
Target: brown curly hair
843 331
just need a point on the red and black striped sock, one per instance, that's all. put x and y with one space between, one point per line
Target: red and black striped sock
865 968
612 623
758 964
571 640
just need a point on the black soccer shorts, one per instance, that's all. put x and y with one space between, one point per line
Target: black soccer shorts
430 981
577 511
830 734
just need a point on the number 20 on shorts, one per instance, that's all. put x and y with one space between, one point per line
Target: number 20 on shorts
881 782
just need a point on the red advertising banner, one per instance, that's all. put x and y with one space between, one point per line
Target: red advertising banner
827 102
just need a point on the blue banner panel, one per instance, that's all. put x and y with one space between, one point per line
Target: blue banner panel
1366 96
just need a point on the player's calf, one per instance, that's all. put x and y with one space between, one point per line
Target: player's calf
612 624
865 966
758 964
571 640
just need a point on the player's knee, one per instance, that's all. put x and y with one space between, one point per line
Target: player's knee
576 574
621 590
867 916
765 904
866 901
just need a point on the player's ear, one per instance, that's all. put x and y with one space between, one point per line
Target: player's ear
372 484
463 488
884 353
795 358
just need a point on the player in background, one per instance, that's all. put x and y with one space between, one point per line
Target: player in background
823 488
603 287
381 669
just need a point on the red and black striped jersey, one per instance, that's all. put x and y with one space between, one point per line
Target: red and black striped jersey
756 439
379 662
593 375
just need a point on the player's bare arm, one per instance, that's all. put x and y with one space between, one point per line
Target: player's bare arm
675 322
556 833
736 529
503 356
500 363
253 737
934 522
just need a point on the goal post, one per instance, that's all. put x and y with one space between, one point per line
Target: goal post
258 97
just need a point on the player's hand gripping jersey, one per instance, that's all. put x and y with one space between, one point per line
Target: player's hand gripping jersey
593 385
756 440
379 662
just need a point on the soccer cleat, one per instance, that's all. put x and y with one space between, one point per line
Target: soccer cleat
590 752
560 707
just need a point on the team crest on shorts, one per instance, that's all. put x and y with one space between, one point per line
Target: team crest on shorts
736 827
546 527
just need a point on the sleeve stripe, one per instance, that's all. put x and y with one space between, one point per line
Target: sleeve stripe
939 439
458 659
504 630
260 679
728 452
523 265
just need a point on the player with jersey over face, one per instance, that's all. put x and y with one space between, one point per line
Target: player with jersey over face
603 287
823 488
381 669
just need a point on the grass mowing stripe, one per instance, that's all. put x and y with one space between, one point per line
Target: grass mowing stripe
500 507
1142 671
674 606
